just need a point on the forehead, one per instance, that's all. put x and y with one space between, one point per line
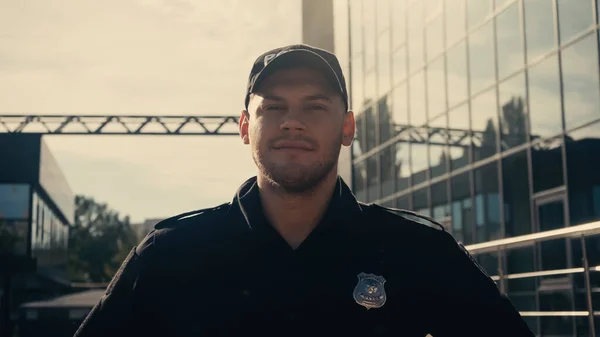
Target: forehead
296 78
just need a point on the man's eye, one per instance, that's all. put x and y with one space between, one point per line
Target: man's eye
318 107
273 108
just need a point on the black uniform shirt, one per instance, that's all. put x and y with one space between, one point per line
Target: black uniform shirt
364 271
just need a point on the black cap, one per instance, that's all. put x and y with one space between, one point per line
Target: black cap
297 55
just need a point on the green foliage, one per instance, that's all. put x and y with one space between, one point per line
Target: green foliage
99 241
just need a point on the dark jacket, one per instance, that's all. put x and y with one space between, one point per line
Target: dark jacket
365 270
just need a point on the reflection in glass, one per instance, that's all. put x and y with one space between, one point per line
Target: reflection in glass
462 209
370 129
398 23
356 30
373 180
546 161
402 165
551 216
435 38
438 146
544 99
439 204
459 140
370 34
418 114
455 21
420 203
457 74
539 28
515 177
403 202
400 108
359 179
436 88
481 57
14 201
487 203
521 260
358 144
370 87
574 17
384 71
386 127
383 15
399 65
387 162
513 112
416 46
419 161
580 82
358 84
477 12
484 123
510 45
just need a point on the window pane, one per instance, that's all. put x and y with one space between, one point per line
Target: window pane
400 107
419 162
359 178
387 160
438 148
383 15
487 203
386 128
15 234
477 11
436 87
439 204
459 142
484 122
520 260
402 165
457 74
14 201
420 204
513 114
510 44
517 213
418 114
547 164
539 28
481 58
356 32
370 33
398 23
358 84
371 128
370 87
373 177
416 47
580 82
399 65
403 202
462 209
384 71
544 99
435 38
433 8
455 21
358 145
574 17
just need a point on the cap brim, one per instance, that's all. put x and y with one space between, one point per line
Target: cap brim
299 58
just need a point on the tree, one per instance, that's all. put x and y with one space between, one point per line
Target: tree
99 241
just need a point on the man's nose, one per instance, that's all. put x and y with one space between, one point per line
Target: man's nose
292 121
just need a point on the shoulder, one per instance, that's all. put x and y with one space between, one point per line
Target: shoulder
183 228
395 216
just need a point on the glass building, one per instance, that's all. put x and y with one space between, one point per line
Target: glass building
485 115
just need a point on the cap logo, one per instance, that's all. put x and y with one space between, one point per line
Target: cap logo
268 58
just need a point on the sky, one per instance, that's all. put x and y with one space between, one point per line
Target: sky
141 57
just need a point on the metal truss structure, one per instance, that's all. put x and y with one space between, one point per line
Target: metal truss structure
119 125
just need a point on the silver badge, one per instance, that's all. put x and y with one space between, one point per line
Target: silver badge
369 291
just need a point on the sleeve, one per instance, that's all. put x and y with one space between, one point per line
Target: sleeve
467 301
120 311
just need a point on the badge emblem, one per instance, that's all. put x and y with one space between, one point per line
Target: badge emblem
369 291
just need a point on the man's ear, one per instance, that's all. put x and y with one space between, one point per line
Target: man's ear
243 126
349 128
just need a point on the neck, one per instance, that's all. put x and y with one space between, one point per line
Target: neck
295 216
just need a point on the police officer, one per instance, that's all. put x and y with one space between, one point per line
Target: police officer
294 253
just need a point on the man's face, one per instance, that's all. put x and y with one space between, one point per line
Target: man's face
295 124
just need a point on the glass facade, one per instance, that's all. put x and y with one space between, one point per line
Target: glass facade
49 235
485 115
